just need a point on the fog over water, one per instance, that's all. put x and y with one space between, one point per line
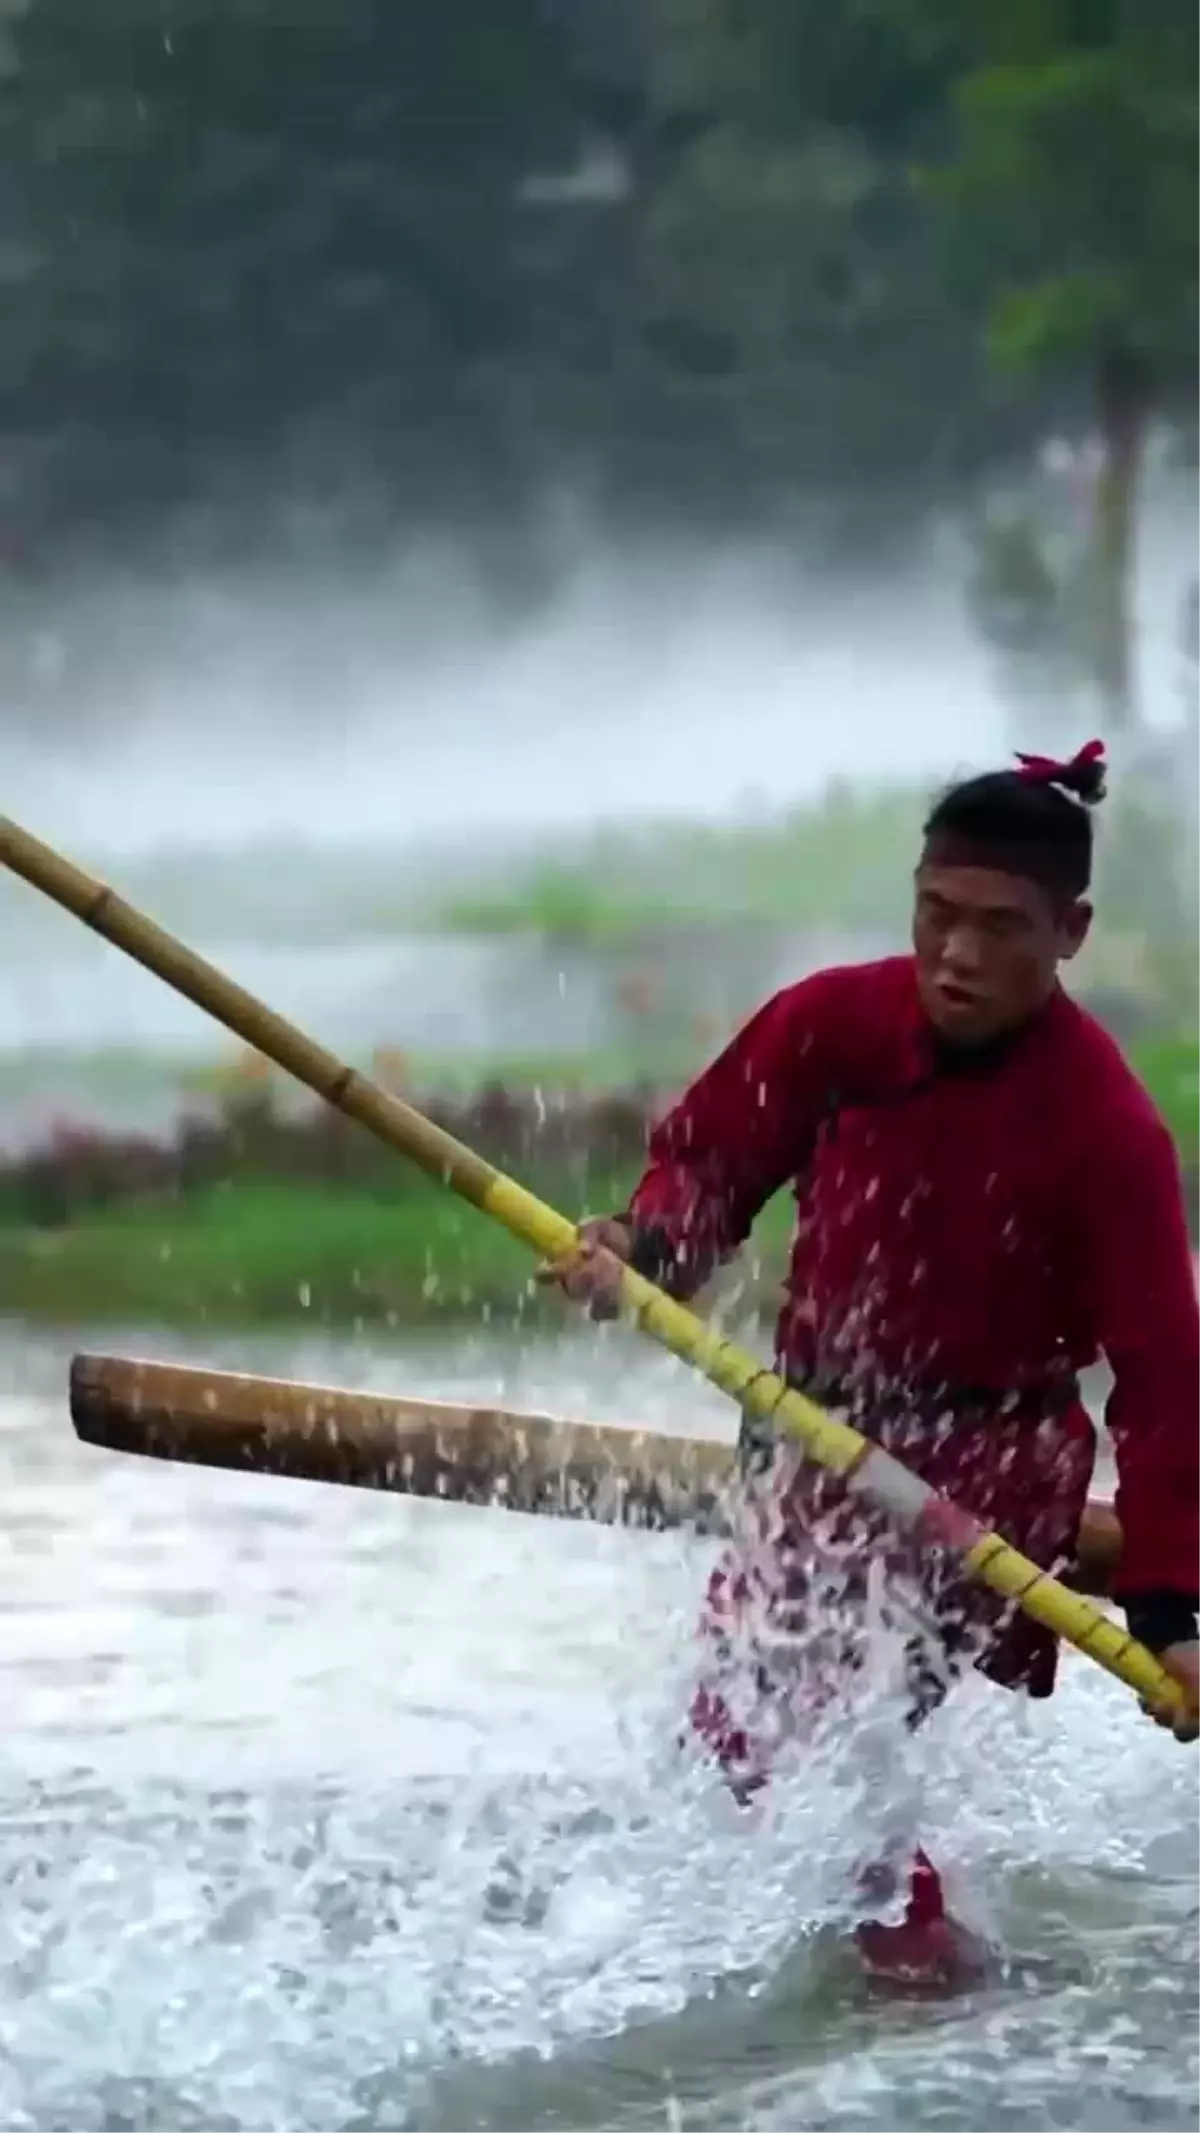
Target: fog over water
396 700
220 716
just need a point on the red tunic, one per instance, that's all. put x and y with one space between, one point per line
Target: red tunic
972 1227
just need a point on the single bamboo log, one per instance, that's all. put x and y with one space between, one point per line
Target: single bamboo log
490 1456
414 1447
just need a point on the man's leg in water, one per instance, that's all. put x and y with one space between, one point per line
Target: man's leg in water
924 1944
788 1623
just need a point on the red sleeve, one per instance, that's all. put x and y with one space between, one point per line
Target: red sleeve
740 1132
1140 1285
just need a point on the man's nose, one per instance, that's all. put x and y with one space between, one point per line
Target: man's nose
961 952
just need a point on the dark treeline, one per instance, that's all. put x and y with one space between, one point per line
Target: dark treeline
692 260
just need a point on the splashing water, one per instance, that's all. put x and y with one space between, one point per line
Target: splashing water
334 1810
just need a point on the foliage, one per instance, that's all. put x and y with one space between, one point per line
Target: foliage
716 262
450 252
1072 178
441 256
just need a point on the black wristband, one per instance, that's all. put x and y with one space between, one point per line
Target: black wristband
1160 1618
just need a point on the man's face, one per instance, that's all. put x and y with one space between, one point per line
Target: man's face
988 946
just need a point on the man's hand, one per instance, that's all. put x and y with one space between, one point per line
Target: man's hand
1182 1662
591 1274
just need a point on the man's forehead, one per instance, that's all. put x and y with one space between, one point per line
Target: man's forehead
979 888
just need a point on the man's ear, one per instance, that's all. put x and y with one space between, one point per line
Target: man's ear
1073 929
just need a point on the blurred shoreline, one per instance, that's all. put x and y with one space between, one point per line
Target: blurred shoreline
543 1000
259 1208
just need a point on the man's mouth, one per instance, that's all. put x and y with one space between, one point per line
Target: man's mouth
958 997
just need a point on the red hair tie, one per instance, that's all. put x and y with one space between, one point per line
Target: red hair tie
1073 775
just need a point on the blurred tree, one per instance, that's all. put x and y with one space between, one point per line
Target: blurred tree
263 234
444 256
1069 194
791 277
447 253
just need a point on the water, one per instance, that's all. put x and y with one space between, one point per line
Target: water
445 994
88 1034
331 1810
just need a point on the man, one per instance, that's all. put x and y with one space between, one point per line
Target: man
986 1201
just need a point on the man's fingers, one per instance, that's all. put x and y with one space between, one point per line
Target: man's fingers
1185 1725
567 1263
589 1273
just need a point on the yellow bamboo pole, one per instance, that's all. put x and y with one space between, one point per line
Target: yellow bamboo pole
870 1471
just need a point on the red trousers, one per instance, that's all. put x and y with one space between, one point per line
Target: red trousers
812 1575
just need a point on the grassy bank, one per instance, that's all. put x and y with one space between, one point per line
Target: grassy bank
263 1254
260 1253
842 862
317 1226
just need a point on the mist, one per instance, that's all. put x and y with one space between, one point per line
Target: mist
321 702
305 708
312 765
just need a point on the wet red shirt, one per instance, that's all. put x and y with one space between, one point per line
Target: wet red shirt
991 1222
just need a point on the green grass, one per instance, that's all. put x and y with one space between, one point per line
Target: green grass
261 1254
1170 1068
845 861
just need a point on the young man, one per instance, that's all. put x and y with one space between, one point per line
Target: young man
986 1201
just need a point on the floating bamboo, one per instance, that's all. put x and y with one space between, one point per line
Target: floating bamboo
615 1474
414 1447
868 1470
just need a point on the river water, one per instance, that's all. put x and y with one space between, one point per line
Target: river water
322 1809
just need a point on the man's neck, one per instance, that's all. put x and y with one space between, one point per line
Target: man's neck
951 1057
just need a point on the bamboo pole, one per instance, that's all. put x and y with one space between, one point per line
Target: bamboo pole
881 1479
413 1447
494 1457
